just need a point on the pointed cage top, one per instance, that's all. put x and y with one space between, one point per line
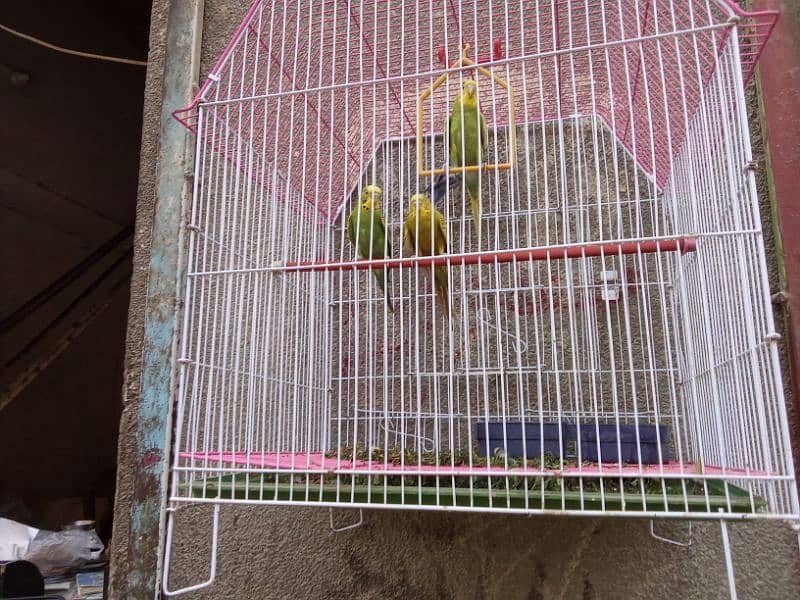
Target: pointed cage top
624 37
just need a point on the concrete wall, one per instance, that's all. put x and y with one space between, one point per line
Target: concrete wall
283 553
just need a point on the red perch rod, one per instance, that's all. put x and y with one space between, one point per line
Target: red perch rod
682 245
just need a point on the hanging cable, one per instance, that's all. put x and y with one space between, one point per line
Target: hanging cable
116 59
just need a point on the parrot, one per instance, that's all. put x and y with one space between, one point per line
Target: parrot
426 235
468 140
366 230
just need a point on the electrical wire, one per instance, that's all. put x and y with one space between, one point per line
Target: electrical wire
116 59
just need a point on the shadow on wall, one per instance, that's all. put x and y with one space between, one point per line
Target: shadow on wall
425 555
69 152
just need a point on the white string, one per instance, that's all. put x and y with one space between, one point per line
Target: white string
34 40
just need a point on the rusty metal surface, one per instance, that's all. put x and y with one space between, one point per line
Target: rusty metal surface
153 425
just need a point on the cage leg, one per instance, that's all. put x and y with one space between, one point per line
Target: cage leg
667 540
358 523
726 545
168 551
796 528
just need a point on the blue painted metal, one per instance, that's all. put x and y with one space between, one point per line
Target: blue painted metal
154 423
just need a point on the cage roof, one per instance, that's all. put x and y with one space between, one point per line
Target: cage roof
307 91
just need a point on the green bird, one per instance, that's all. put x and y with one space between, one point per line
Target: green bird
426 235
469 138
366 230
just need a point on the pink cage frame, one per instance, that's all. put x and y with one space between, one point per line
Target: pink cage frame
639 111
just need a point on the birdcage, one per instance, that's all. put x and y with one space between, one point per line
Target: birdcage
605 344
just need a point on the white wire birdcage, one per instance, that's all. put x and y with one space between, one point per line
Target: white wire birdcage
610 347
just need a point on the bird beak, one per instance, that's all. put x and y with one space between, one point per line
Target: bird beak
471 89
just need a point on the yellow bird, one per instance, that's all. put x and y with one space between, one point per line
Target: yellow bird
366 230
469 138
426 235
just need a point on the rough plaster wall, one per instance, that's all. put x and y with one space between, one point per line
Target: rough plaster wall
482 307
283 553
291 553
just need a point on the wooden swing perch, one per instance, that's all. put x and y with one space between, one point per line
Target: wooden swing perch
464 61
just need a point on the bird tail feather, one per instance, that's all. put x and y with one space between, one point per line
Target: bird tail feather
474 190
380 275
442 290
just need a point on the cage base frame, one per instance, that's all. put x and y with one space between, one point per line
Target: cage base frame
248 487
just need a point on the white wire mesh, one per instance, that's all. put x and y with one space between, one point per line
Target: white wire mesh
615 339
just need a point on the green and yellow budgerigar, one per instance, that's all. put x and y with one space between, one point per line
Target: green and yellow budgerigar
426 235
468 140
366 230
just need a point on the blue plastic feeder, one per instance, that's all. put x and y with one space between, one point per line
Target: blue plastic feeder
598 442
515 444
608 450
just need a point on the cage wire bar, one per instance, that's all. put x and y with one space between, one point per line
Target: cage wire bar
610 347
